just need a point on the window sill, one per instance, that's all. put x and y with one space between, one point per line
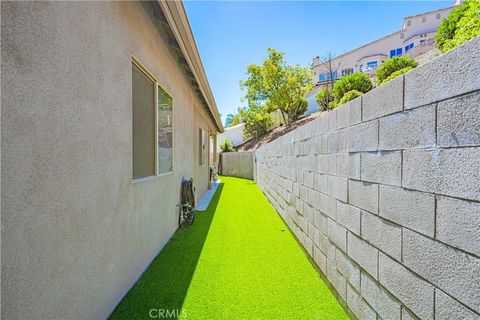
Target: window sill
149 178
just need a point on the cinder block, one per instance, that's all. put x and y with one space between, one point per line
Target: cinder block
415 293
385 99
451 172
337 280
308 245
349 217
423 85
412 209
327 163
301 222
311 163
308 212
382 234
359 306
298 175
298 148
331 139
299 205
315 142
458 224
409 129
343 115
337 234
348 165
363 195
308 179
363 253
348 269
324 244
324 143
337 187
350 113
332 120
327 205
320 221
331 252
296 190
459 121
314 234
337 141
407 315
363 137
447 308
320 259
382 302
382 167
449 269
320 182
321 123
304 194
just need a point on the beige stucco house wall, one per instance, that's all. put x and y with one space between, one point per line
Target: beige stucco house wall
77 231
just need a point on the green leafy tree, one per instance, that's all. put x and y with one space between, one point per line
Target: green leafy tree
299 108
324 97
229 120
394 64
257 120
238 119
356 81
276 85
234 119
349 96
461 25
227 146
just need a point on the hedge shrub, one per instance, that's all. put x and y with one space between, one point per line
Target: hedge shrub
324 97
392 65
356 81
227 146
349 96
396 74
461 25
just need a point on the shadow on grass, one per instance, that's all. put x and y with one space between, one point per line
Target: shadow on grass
165 283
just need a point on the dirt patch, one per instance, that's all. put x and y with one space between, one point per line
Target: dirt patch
255 143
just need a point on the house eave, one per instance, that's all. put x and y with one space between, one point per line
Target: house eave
177 20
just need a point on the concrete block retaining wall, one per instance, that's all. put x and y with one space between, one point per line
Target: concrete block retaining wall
384 192
238 164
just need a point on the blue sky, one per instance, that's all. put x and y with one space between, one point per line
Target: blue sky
230 35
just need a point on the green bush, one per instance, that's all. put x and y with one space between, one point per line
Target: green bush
392 65
297 109
356 81
257 120
349 96
227 146
461 25
324 97
396 74
332 105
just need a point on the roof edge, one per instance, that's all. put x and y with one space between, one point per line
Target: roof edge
176 16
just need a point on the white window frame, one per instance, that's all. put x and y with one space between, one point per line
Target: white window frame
157 85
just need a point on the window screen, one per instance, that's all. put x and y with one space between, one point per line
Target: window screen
201 142
165 131
143 105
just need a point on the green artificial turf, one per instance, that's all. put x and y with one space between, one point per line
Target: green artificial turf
237 261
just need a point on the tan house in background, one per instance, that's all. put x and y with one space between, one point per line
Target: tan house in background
105 108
